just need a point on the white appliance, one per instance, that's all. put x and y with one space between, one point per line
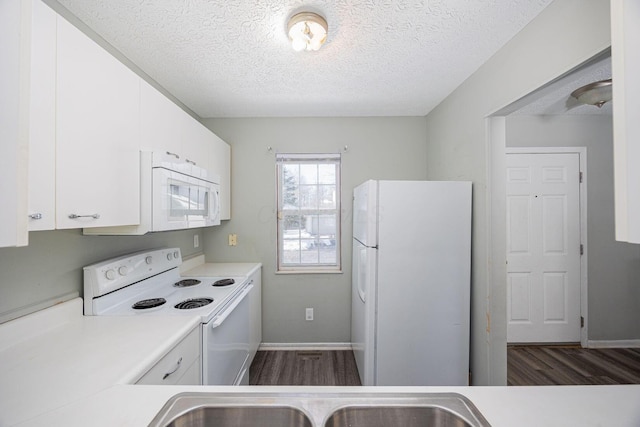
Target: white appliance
411 282
148 283
175 194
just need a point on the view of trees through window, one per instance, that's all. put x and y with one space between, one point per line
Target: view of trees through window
308 212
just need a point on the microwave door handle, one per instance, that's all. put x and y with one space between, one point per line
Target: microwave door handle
221 318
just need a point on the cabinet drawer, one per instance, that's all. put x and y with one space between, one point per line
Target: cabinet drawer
183 358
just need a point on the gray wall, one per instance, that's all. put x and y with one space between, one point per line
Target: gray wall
52 263
379 148
613 267
459 146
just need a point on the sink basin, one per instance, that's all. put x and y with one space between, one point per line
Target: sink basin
379 416
241 416
319 409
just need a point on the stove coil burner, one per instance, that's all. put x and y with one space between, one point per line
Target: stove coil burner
224 282
193 303
185 283
148 303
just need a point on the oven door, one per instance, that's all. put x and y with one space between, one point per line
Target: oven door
182 201
225 343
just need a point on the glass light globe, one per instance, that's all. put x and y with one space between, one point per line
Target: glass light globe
298 43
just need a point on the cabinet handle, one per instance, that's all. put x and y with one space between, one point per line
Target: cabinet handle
94 216
190 161
173 154
35 216
174 369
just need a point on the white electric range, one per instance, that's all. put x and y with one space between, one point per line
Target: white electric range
148 283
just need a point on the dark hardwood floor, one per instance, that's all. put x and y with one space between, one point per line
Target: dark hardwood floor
304 367
572 365
526 365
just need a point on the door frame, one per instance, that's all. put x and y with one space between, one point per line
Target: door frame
582 156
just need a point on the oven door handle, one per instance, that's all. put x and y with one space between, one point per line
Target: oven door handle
221 317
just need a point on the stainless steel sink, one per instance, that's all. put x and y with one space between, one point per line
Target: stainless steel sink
405 416
242 416
348 409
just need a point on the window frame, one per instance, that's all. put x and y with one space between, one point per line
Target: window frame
310 159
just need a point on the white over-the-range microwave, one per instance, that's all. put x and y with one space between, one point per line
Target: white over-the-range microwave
175 194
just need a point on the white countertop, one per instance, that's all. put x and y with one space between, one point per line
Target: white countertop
62 368
222 269
58 356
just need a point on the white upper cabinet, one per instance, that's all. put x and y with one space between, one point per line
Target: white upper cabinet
625 61
221 164
15 28
97 135
42 116
197 146
159 121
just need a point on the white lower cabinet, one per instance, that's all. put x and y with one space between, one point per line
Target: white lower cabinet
97 135
182 365
255 320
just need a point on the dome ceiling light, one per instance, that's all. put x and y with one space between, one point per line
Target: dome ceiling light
307 31
597 93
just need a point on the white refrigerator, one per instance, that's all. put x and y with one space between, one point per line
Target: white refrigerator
411 282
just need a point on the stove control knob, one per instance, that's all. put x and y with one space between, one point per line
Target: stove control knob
169 256
110 274
176 254
148 259
123 271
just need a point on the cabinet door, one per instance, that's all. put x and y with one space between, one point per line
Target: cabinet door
42 116
625 67
14 121
182 365
160 121
97 135
196 142
221 165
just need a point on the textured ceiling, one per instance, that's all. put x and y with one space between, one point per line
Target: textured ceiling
556 98
381 58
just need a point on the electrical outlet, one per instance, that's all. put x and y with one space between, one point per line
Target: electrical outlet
309 314
196 241
233 239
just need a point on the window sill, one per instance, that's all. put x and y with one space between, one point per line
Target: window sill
309 272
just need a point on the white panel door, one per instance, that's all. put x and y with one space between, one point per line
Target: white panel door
543 248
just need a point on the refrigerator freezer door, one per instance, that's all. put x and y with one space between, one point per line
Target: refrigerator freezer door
365 213
363 310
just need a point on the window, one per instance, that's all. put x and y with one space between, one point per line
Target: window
308 212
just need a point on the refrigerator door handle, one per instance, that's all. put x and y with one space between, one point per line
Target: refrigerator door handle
362 278
361 294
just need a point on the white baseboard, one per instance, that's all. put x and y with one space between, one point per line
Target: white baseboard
273 346
613 344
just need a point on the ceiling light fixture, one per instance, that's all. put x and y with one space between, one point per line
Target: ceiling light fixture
597 93
307 31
